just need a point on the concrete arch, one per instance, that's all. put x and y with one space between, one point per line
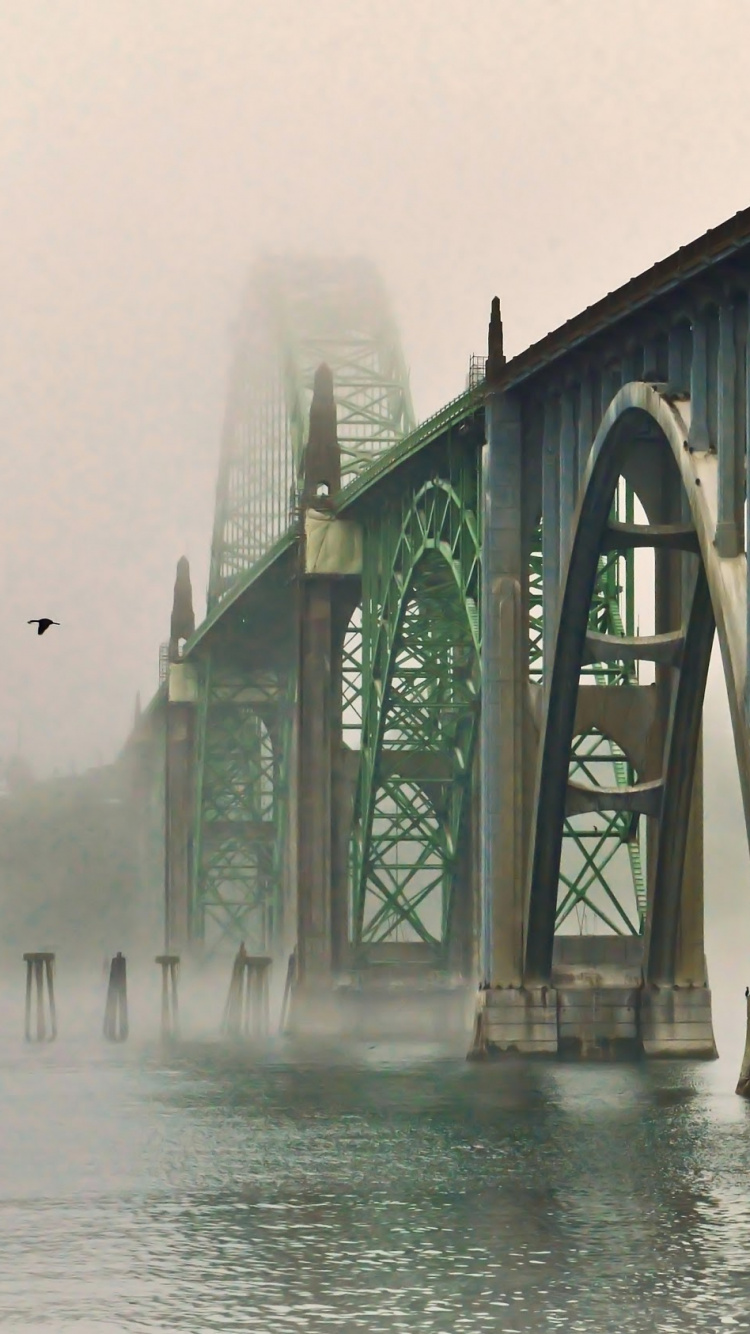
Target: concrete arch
638 409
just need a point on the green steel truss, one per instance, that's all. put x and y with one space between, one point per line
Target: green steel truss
420 665
240 840
601 873
298 314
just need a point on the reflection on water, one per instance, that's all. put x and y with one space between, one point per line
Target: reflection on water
374 1189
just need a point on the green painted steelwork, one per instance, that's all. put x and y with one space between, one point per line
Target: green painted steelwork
243 747
420 691
297 315
594 879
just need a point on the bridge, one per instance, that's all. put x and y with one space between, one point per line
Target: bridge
440 729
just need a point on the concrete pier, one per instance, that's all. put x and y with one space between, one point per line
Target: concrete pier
676 1022
596 1009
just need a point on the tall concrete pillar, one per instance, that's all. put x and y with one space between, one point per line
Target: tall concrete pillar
314 786
331 556
179 769
507 1014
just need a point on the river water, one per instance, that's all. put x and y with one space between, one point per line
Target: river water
372 1188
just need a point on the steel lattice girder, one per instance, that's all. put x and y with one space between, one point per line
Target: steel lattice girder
297 315
421 688
592 842
244 728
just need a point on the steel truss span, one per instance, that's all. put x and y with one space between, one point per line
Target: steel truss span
297 315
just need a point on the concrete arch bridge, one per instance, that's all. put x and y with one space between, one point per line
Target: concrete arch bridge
441 726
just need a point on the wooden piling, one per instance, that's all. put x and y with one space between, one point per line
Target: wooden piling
291 973
743 1086
40 966
246 1010
116 1010
170 1018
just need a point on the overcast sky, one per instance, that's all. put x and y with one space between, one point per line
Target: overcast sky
546 150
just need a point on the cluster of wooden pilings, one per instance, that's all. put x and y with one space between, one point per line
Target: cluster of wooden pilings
246 1013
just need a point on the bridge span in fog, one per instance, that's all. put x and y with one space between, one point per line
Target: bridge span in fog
440 730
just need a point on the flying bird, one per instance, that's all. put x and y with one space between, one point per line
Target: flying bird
44 623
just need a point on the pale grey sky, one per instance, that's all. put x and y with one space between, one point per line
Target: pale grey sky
546 150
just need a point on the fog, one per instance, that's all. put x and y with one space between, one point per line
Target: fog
150 151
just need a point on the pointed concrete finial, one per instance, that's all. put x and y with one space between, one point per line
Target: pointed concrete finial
496 356
322 463
183 617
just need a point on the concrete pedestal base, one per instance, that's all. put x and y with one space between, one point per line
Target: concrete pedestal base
598 1023
511 1019
676 1022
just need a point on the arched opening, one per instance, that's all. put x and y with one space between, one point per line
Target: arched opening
412 865
681 535
603 864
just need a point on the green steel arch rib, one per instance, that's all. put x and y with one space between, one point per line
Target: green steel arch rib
421 689
297 314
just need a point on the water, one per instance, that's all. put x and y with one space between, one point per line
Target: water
374 1188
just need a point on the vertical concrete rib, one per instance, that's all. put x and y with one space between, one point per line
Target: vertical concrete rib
568 473
502 674
699 437
585 424
677 371
550 531
727 538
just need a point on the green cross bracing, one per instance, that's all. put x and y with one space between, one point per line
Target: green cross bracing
601 872
420 706
244 726
296 316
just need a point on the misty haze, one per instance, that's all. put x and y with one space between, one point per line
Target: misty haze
269 874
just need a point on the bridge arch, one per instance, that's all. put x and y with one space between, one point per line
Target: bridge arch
421 690
718 601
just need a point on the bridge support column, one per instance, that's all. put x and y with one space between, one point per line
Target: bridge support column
182 696
314 802
179 804
509 1017
328 591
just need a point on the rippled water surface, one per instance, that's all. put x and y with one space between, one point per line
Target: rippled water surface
374 1188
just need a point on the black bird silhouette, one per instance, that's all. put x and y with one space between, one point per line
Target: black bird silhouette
747 992
43 623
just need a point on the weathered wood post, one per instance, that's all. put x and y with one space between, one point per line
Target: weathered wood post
246 1008
290 976
169 964
116 1009
37 967
743 1087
